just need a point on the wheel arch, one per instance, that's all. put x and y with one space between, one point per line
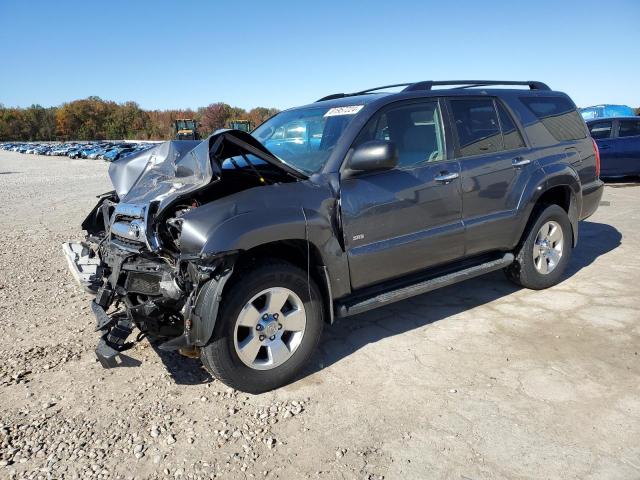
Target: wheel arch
302 253
560 186
298 252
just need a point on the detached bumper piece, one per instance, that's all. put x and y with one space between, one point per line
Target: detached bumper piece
114 339
83 265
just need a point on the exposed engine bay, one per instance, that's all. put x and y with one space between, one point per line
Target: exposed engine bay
142 256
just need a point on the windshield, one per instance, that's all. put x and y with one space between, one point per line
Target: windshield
304 138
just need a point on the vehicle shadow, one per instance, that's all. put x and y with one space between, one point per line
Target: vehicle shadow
348 335
594 240
183 370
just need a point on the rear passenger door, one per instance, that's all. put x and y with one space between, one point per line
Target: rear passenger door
494 171
602 132
409 218
628 146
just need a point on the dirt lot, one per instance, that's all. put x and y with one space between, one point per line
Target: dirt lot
479 380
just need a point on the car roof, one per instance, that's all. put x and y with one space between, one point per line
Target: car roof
425 89
591 120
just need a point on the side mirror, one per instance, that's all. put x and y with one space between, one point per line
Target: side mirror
374 155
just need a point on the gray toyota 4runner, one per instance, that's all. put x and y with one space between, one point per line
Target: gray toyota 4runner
241 247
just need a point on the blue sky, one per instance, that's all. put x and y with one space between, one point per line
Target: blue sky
172 54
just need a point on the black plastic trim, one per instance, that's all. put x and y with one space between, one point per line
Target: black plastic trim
426 284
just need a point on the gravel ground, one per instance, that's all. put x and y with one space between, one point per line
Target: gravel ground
478 380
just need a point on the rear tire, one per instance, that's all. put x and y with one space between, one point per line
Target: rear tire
237 355
543 254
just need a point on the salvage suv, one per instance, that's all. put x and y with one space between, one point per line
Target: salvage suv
239 248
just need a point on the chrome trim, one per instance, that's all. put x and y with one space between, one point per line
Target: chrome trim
137 229
520 162
129 210
130 230
446 177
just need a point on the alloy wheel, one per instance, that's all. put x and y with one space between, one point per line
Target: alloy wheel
547 248
269 328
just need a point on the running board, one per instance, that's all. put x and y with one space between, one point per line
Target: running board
352 307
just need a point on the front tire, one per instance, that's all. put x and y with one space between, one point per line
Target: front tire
269 325
543 255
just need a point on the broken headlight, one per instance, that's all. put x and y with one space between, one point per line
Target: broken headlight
174 223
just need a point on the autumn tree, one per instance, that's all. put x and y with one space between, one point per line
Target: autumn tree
84 119
259 114
127 121
214 117
96 119
12 124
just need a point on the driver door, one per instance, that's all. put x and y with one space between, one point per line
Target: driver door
403 220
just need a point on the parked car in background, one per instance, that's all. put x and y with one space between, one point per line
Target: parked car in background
118 152
606 111
103 150
618 140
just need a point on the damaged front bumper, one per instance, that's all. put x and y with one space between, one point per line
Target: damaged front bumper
144 291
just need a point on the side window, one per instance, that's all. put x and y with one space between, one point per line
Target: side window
477 126
415 128
600 130
629 128
558 115
510 135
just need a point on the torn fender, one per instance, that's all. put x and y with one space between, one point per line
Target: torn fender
253 217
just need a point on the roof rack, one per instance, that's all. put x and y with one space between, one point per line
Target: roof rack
429 84
532 84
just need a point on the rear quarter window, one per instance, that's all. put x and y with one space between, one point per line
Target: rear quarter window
558 115
629 128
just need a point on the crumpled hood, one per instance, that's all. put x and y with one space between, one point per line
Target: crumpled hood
156 174
176 168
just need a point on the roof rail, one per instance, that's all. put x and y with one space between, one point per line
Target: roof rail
369 90
361 92
429 84
333 96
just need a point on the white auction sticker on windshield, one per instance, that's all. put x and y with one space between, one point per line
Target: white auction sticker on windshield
349 110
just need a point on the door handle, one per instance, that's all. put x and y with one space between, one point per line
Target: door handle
445 177
604 147
520 162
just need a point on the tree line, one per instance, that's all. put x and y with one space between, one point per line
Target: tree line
96 119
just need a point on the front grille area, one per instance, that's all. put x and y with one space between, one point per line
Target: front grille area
126 241
145 283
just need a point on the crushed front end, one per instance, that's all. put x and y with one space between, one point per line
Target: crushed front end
132 258
135 284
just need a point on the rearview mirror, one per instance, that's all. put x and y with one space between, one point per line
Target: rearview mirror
374 155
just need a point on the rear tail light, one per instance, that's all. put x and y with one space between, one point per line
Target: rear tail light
597 153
